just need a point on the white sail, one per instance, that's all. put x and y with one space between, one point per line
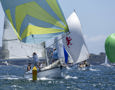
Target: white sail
16 49
60 48
74 42
106 61
1 23
59 45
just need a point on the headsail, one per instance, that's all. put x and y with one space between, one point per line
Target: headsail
74 42
59 46
41 19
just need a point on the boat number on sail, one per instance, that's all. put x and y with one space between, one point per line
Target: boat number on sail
68 41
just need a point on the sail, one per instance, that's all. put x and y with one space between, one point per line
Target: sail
1 23
110 47
35 21
59 46
12 48
66 56
74 42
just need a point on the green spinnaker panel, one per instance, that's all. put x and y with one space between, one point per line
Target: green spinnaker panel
35 19
110 48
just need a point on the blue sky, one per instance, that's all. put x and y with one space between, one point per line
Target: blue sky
97 18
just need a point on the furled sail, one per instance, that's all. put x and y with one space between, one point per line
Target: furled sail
35 20
74 42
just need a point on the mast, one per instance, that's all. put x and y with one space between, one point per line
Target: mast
44 53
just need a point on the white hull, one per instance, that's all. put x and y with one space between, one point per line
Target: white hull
51 73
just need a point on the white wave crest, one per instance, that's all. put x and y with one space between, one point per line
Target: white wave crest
43 78
91 69
10 77
70 77
16 86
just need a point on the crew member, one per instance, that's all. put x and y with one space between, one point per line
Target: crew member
35 59
29 67
55 55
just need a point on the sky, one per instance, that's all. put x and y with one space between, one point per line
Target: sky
97 19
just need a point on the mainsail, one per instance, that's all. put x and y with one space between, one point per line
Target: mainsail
74 42
1 23
12 48
35 20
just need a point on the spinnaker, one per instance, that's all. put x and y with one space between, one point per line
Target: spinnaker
35 19
110 47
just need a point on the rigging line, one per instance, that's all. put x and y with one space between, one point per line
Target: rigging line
63 36
10 40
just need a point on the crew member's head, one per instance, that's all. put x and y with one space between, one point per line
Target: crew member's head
34 53
54 49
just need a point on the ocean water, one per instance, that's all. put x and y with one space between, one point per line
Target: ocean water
98 77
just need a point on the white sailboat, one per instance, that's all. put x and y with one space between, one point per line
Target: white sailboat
74 41
50 19
38 22
14 50
106 63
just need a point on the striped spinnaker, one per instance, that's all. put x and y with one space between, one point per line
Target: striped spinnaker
35 19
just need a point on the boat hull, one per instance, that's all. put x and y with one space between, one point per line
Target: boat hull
51 73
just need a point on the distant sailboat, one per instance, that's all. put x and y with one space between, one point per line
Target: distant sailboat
110 49
106 61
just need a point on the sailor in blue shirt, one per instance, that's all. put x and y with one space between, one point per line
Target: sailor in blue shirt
35 59
55 55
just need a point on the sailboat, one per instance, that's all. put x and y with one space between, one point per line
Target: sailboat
74 42
106 63
36 21
33 22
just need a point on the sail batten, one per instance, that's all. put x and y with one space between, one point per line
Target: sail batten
26 15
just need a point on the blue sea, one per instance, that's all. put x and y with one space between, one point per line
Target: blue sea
98 77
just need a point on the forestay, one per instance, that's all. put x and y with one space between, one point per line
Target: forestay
35 19
74 41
